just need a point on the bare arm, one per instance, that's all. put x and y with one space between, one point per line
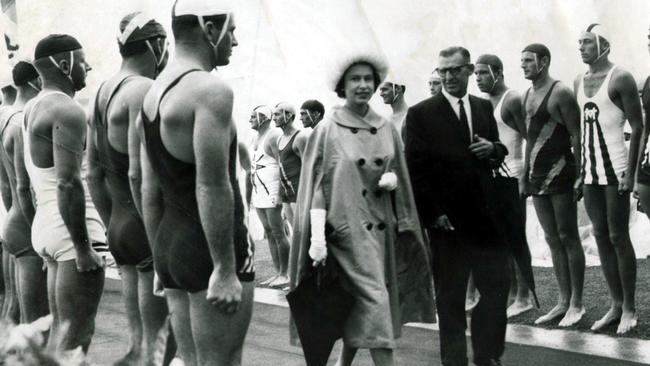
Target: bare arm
515 114
271 145
631 105
23 184
136 99
300 143
563 105
68 135
151 200
213 135
5 185
97 178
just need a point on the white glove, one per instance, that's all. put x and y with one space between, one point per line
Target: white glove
388 181
318 247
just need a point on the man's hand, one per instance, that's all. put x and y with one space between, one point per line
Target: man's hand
88 260
635 192
224 291
577 189
158 288
481 148
443 223
624 185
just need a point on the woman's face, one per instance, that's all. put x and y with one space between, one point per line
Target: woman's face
359 84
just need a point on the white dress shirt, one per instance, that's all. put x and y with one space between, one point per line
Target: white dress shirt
456 107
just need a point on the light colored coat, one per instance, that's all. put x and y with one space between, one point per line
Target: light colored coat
374 235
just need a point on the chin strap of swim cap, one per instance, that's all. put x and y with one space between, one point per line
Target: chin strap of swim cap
158 60
597 30
224 29
539 70
34 86
69 73
494 78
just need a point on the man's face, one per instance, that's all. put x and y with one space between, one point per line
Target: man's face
309 118
359 84
281 117
435 85
648 40
387 92
530 65
80 70
484 78
454 72
256 120
225 46
588 47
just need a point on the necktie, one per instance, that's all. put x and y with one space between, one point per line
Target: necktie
464 123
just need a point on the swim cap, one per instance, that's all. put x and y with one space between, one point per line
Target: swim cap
539 49
55 43
23 73
599 31
286 108
492 61
137 27
313 105
263 110
202 8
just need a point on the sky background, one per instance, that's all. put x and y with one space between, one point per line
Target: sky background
288 47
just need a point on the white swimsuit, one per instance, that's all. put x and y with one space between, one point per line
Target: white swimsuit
265 176
604 154
513 141
50 236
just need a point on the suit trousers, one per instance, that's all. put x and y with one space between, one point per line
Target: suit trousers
455 255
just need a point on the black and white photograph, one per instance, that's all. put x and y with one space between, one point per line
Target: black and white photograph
325 183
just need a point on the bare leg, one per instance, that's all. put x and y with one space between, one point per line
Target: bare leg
546 215
382 356
219 336
273 247
12 307
566 217
55 330
77 300
153 311
2 279
472 296
130 297
618 210
179 308
32 283
274 216
346 356
520 291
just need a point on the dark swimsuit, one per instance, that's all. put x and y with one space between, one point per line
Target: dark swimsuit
643 175
290 164
552 167
127 239
20 244
181 255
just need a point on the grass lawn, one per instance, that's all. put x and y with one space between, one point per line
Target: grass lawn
596 300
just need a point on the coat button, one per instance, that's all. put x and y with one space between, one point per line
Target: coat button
369 226
373 130
354 130
379 162
381 226
361 162
364 192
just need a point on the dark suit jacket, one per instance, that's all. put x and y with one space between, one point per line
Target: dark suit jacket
446 177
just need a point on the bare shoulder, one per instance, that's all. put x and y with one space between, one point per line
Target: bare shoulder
561 94
61 108
623 80
208 88
512 100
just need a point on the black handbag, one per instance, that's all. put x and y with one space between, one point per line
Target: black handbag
320 306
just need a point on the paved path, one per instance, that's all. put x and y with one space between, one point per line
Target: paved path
267 342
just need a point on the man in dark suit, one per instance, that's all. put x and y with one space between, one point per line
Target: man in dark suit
452 146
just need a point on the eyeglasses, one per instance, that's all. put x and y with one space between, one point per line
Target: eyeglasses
454 71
